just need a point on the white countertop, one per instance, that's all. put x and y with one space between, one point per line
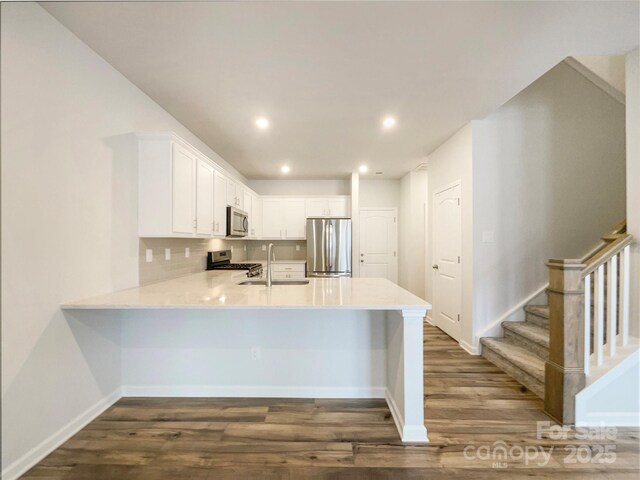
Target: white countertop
220 289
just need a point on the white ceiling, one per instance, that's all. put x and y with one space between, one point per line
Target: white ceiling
325 73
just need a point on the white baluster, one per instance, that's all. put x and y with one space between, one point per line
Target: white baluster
624 295
587 323
612 304
598 319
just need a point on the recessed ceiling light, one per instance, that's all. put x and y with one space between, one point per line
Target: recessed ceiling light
388 122
363 169
262 123
285 169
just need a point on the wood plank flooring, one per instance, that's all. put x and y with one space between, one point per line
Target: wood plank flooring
469 404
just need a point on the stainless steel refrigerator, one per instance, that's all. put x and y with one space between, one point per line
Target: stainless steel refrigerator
328 247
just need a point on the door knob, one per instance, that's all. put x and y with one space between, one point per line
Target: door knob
361 261
435 267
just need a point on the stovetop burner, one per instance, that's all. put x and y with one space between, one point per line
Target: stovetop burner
221 260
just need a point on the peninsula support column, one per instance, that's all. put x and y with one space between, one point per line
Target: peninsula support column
405 373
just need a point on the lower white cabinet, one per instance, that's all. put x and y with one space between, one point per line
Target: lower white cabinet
288 271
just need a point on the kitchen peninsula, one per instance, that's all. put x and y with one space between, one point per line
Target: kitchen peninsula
207 335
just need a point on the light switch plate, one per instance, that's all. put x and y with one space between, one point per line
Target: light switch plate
167 254
487 237
186 252
297 248
231 249
244 247
264 248
149 254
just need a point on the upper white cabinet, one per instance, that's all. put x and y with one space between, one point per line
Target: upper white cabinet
219 205
183 169
235 194
204 198
283 218
255 220
181 193
336 206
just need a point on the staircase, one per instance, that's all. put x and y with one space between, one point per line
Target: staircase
524 348
589 309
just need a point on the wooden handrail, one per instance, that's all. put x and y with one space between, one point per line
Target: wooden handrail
607 252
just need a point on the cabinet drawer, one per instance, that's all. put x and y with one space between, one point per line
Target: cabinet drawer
288 267
287 275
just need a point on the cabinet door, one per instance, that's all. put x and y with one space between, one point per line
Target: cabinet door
239 197
295 220
232 197
272 218
204 199
220 205
316 207
247 208
256 212
338 207
183 190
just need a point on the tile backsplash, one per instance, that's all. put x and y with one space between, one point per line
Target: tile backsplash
284 249
179 264
160 269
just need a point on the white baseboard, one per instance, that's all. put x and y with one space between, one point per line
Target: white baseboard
471 349
408 433
266 391
430 320
494 329
44 448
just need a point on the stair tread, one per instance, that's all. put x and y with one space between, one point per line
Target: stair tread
539 310
518 356
530 331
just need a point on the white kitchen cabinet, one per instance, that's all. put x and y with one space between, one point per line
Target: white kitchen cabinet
204 198
235 194
338 207
288 271
327 207
219 205
255 221
283 218
183 165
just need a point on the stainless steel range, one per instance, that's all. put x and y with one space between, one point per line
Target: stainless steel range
221 260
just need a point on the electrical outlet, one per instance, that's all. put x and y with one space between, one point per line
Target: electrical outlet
149 255
231 249
186 252
264 248
297 248
255 353
245 248
167 254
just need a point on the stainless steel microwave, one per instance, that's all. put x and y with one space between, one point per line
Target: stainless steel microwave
237 222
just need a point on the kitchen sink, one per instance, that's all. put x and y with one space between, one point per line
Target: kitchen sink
275 282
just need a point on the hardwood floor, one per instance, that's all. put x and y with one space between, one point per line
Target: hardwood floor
469 405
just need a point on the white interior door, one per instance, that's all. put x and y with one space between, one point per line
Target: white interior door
378 244
447 250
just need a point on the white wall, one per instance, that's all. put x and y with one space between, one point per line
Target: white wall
69 201
412 232
548 181
379 193
633 179
300 187
609 68
452 162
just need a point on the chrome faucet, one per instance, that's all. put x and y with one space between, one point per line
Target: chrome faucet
270 252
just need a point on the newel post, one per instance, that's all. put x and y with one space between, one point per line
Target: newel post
564 371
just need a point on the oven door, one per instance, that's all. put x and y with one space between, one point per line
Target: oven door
237 222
